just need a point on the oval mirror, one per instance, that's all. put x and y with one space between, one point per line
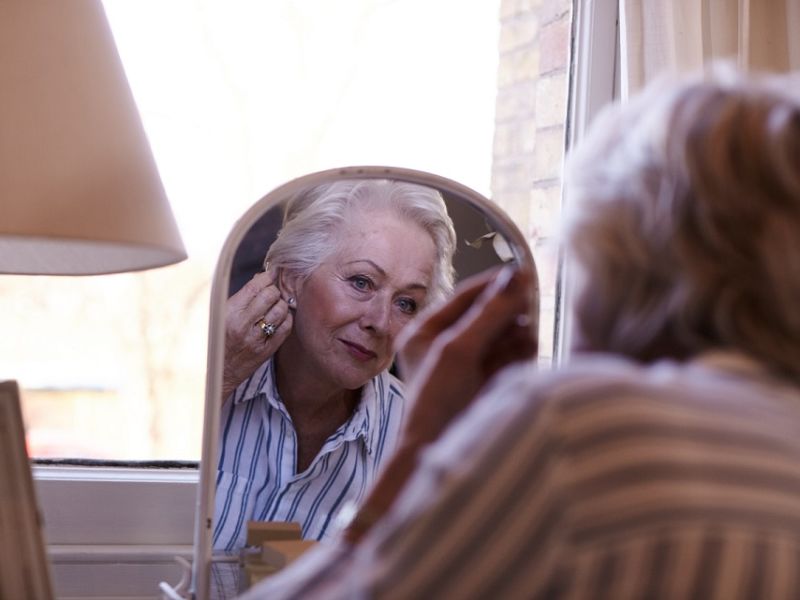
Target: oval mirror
385 279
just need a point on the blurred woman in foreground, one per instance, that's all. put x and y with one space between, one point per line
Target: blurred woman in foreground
664 460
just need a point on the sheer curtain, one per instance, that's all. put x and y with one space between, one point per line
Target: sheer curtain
679 35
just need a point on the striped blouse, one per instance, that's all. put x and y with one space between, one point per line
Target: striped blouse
603 480
257 477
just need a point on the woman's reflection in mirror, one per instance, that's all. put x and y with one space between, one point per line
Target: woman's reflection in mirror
309 409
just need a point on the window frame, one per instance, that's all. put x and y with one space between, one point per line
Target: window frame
594 83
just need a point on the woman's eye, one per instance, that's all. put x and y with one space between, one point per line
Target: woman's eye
360 282
407 305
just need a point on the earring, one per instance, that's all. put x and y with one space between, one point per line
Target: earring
290 301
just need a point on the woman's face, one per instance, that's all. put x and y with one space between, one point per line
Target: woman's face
351 308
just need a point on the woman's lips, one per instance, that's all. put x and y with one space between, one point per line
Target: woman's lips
358 351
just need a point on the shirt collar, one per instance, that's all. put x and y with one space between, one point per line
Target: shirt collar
260 382
365 421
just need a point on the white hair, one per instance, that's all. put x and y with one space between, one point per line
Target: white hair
685 208
313 223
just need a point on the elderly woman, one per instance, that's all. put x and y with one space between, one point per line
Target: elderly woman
310 410
663 462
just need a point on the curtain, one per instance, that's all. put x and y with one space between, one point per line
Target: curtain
680 35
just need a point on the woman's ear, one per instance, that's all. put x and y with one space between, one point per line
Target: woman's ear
289 285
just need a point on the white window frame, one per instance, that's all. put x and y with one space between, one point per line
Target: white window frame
594 82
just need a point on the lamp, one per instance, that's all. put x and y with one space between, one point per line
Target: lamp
79 189
79 195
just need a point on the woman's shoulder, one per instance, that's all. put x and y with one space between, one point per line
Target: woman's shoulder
606 386
583 377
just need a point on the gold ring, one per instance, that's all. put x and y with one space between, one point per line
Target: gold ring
268 329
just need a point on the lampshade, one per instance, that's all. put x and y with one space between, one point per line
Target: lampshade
79 190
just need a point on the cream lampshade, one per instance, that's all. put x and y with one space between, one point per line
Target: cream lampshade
79 190
79 194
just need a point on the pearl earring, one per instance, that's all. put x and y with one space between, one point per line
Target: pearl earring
290 301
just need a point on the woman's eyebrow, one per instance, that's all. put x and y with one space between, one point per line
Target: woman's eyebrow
369 262
416 286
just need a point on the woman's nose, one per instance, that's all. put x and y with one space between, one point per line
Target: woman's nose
377 316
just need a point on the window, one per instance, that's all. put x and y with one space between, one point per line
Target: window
529 139
238 98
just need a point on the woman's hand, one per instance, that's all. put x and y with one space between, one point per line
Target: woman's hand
447 356
248 313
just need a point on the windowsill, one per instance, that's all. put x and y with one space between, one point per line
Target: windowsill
72 472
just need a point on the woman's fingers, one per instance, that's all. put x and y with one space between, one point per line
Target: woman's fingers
281 327
518 342
250 291
468 323
415 340
442 316
257 322
267 298
488 335
491 322
259 299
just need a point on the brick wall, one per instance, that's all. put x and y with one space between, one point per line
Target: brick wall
529 132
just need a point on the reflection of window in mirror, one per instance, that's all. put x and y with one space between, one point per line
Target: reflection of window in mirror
239 100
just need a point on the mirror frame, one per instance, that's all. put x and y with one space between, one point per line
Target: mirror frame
201 564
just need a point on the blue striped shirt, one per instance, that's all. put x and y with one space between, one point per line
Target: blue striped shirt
605 479
257 475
